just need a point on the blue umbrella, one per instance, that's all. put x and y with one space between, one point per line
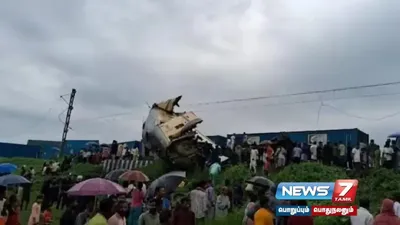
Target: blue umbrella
12 179
395 135
7 168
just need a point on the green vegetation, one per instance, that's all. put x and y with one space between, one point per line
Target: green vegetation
376 185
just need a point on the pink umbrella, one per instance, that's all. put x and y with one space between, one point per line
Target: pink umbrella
95 187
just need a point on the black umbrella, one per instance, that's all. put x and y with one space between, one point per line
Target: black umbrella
169 181
261 181
12 179
115 174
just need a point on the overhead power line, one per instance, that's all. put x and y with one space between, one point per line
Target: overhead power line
361 117
298 102
247 106
296 94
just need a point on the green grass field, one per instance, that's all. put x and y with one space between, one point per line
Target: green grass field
37 184
80 169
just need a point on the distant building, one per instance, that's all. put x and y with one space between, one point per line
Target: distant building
346 136
19 150
218 139
51 149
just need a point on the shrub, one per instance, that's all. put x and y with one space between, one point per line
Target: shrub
87 170
156 169
235 173
309 172
378 185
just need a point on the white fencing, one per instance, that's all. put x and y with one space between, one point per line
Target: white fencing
129 164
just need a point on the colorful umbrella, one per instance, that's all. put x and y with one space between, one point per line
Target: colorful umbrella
12 179
7 168
134 175
96 187
115 174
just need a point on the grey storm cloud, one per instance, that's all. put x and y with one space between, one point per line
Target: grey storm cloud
123 55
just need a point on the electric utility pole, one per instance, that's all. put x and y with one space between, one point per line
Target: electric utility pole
67 119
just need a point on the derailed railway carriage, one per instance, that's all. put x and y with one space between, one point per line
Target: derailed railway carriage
174 135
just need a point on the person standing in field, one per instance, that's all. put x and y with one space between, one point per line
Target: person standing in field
269 159
387 155
198 202
356 155
342 154
223 204
263 216
281 152
119 217
297 151
150 217
214 170
364 217
314 152
136 204
211 200
105 212
182 214
36 210
253 160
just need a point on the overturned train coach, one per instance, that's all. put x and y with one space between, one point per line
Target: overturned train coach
174 135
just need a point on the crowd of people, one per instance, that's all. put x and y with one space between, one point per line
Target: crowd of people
275 154
96 154
204 202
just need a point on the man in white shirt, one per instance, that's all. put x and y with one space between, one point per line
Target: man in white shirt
228 143
297 154
135 154
33 172
232 144
253 159
387 156
364 217
396 205
124 151
198 202
356 155
281 151
314 151
342 154
86 155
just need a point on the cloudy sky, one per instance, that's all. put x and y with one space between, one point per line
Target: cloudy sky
122 55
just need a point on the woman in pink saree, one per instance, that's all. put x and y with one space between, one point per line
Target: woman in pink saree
34 218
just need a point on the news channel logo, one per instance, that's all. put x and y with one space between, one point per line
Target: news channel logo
341 191
305 191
